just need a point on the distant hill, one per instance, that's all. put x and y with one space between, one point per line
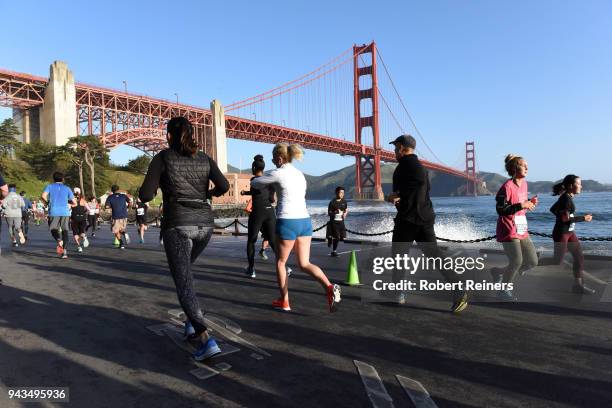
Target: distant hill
442 185
494 181
320 187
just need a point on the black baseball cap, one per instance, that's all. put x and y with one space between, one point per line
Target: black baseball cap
405 141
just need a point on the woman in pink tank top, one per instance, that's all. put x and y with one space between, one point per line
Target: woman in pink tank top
512 204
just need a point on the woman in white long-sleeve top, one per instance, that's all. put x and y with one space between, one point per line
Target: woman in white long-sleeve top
293 225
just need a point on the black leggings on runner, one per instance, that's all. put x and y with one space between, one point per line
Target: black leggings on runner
92 222
183 245
333 242
25 223
264 221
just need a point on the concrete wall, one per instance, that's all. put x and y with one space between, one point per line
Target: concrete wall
58 113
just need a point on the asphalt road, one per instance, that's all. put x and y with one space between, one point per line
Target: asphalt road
83 323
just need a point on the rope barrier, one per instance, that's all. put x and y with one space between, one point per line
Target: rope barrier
598 239
227 226
461 241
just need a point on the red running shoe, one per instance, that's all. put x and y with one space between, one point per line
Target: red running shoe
281 304
59 250
333 297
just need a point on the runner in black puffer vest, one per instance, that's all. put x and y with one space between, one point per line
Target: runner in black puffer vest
183 174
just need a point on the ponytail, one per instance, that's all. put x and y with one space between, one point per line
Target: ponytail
182 140
288 152
558 189
295 152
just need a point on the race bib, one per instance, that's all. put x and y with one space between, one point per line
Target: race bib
140 211
572 225
520 222
338 217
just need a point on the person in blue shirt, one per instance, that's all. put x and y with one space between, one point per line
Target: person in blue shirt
119 203
25 214
59 197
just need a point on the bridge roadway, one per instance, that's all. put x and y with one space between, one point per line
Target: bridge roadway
82 323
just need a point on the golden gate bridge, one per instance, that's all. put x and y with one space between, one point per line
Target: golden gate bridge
344 106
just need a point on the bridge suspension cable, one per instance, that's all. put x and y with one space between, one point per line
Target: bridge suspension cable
403 105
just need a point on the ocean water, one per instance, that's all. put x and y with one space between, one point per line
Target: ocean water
473 217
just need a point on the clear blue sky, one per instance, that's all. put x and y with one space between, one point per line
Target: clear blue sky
533 78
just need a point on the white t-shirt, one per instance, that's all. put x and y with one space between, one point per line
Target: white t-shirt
291 187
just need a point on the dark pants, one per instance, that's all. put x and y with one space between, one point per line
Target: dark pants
25 222
183 245
92 222
563 243
264 221
405 234
60 222
333 243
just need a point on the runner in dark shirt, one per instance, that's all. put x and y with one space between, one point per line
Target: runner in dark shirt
262 217
415 215
337 211
141 218
564 234
119 203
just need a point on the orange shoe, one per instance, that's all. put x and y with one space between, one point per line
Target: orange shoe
333 297
281 304
59 250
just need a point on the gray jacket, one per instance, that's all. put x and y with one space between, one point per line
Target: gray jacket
13 204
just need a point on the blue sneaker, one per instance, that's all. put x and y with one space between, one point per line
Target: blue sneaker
189 330
506 296
208 350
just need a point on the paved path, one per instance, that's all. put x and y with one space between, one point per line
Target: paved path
82 323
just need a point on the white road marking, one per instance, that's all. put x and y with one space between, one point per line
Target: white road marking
377 393
202 373
417 393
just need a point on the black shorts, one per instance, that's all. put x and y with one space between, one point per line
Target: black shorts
141 219
336 230
78 227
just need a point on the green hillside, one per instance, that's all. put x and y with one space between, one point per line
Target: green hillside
20 173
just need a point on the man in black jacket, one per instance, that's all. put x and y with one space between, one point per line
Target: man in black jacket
415 214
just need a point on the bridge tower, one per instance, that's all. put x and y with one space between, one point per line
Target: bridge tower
470 169
58 113
368 184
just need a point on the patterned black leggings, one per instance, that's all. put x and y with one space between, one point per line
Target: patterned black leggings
183 245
